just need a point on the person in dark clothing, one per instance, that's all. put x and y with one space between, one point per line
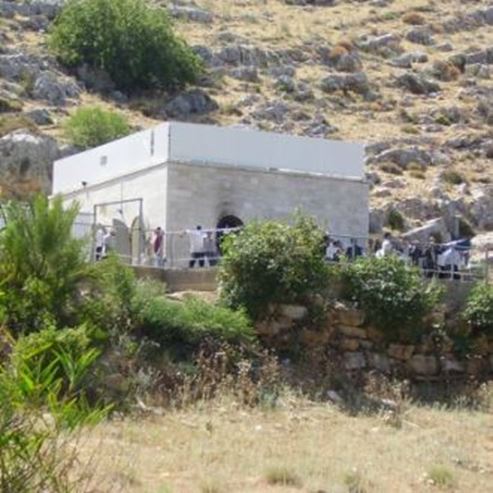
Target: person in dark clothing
354 250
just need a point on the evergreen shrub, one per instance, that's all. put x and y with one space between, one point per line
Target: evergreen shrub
132 41
478 312
93 126
270 261
394 295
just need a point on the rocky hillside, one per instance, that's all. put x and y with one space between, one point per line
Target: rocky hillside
413 80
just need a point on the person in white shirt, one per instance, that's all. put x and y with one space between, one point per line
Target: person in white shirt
387 246
99 244
197 252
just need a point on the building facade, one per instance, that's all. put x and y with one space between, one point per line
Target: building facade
179 175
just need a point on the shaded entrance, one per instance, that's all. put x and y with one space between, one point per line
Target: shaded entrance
226 222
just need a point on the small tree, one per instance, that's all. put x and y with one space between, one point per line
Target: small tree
41 264
272 261
478 312
94 126
393 294
130 40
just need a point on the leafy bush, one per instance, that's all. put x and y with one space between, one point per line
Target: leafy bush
396 220
479 309
42 266
394 295
65 354
272 262
94 126
108 301
37 400
130 40
452 177
190 322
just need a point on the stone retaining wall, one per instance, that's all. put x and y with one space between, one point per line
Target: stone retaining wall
345 337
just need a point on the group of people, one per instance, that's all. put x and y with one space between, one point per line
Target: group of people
435 259
203 247
104 243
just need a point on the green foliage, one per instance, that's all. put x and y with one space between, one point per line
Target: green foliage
41 394
190 322
41 265
129 39
108 301
272 262
394 295
478 312
452 177
94 126
396 220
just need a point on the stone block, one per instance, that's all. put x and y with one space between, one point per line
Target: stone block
450 364
349 344
315 338
352 332
379 362
400 351
423 365
375 335
294 312
475 366
350 316
354 361
274 326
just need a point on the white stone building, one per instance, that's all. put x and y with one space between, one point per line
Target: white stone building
180 175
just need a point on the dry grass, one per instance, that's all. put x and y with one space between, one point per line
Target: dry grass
222 446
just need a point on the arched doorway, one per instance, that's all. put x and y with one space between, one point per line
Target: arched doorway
229 221
226 222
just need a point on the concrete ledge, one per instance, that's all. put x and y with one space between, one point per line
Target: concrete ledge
199 279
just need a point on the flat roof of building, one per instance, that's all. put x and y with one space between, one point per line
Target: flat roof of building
205 145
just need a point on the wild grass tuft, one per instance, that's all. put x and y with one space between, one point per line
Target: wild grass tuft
283 476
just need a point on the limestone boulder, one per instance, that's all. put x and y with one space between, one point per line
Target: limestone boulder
403 156
27 156
357 83
191 13
417 83
481 209
189 103
56 90
421 35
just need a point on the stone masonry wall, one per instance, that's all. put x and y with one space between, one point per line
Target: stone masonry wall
360 347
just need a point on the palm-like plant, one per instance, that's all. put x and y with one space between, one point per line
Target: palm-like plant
41 264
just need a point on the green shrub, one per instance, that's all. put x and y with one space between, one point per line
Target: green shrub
453 177
394 295
65 353
478 312
190 322
396 220
130 40
108 301
272 262
94 126
42 266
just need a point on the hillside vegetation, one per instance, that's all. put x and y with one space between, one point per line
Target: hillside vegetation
413 80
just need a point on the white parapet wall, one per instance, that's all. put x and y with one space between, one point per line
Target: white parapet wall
207 144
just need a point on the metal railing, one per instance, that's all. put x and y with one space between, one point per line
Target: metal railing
195 249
